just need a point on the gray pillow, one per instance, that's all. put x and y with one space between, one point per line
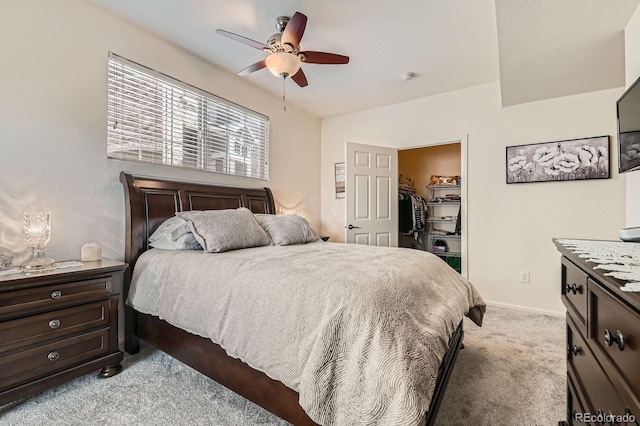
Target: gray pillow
287 229
174 234
223 230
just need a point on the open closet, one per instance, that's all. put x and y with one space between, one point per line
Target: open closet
430 201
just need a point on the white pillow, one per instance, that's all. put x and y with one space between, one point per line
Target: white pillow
287 229
223 230
174 234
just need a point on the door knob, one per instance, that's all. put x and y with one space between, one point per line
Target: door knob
353 227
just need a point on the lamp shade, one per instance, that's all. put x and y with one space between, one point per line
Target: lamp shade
283 64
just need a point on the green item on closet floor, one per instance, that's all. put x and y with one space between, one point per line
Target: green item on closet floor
455 263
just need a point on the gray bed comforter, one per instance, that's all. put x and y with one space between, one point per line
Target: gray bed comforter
358 331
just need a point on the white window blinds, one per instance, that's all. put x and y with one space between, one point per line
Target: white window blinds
153 118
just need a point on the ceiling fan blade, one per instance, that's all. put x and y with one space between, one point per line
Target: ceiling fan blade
254 67
243 40
293 31
324 58
300 78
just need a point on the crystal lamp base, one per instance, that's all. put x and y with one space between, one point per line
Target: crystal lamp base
38 259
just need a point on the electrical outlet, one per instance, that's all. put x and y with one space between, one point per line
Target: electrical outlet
524 277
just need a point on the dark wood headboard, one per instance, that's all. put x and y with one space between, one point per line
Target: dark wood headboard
151 201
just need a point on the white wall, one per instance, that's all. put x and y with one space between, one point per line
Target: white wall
510 227
632 72
53 125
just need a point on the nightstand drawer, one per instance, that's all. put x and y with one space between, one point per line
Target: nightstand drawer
55 324
37 299
36 362
615 331
574 292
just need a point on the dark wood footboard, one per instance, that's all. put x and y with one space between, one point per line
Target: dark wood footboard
211 360
444 373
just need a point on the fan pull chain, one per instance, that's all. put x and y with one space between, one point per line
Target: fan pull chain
284 99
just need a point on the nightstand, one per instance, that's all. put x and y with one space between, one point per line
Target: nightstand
57 325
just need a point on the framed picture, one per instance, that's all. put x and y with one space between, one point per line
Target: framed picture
574 159
340 181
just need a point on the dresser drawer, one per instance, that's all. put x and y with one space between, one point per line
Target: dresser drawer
28 364
615 332
574 292
37 299
575 408
600 393
56 324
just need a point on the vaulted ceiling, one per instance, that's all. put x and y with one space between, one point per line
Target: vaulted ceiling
537 49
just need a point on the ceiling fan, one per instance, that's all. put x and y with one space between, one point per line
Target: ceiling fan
284 55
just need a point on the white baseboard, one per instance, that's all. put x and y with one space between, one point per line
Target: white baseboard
527 308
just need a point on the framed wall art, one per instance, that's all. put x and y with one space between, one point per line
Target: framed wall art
575 159
340 181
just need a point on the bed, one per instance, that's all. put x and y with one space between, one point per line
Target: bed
148 203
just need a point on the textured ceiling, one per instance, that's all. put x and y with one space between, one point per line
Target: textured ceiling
557 48
537 49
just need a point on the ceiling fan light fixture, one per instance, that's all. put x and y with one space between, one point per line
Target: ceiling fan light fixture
284 56
283 64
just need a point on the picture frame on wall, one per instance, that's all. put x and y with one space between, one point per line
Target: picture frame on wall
340 180
574 159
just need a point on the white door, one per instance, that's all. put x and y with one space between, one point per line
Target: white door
372 195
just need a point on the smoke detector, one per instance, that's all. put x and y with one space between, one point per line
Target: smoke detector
407 76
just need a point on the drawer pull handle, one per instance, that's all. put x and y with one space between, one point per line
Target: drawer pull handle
618 338
54 323
627 411
572 351
575 289
56 294
53 356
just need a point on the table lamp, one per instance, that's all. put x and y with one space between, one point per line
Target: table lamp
37 227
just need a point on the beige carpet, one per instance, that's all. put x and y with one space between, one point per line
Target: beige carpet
511 372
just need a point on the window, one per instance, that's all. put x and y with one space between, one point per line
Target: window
153 118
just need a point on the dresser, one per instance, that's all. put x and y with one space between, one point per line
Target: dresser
57 325
603 344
